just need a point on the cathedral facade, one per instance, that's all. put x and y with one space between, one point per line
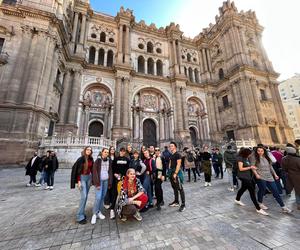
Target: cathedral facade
67 69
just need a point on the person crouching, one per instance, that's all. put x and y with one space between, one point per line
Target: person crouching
132 197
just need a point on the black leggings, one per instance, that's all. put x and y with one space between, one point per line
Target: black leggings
194 173
207 177
250 186
158 191
177 187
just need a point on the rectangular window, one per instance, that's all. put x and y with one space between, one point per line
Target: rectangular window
225 101
230 135
1 44
273 134
51 128
263 94
12 2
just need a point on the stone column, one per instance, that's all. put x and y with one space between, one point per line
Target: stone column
49 73
65 98
36 71
75 24
279 102
82 32
117 102
179 109
174 52
105 127
184 109
72 117
256 102
14 79
120 45
126 103
211 112
96 56
154 67
216 109
105 58
276 105
146 66
237 105
246 106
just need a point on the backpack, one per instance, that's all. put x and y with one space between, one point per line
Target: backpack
190 157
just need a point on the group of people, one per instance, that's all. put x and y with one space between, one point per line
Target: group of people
267 170
46 165
126 183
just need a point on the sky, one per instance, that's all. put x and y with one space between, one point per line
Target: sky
280 19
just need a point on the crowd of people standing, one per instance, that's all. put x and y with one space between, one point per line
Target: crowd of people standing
130 182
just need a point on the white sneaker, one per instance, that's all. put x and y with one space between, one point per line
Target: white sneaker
112 214
231 189
206 184
239 203
286 210
47 187
51 187
209 184
37 184
106 206
94 219
262 206
101 216
261 211
28 185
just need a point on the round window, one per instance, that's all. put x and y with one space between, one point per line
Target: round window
158 50
141 46
111 40
94 35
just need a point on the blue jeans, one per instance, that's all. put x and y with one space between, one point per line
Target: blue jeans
147 187
271 185
297 199
84 191
43 178
99 196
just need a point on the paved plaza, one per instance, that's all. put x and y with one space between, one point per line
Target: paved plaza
32 218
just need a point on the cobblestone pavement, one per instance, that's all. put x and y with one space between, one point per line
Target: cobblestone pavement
33 218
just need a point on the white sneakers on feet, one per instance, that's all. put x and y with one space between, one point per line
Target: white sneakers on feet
286 210
231 189
209 184
51 187
28 185
206 184
37 184
101 216
47 187
262 206
94 219
239 203
112 214
261 211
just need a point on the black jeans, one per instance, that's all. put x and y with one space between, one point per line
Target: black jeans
177 187
207 177
194 173
158 191
50 178
32 179
250 186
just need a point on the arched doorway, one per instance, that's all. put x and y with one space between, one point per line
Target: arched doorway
95 129
149 133
193 134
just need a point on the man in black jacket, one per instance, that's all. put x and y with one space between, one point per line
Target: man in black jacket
31 169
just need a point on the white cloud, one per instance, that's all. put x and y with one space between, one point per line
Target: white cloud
281 36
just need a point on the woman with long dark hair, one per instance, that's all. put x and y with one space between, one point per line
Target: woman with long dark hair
112 153
82 176
245 174
265 175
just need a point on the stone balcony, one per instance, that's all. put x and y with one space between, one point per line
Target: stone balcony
69 148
